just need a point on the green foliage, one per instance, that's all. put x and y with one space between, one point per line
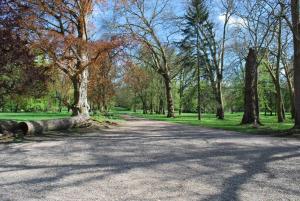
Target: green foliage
231 122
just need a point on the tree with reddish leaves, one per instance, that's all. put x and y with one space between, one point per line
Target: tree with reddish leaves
60 30
19 72
138 80
101 86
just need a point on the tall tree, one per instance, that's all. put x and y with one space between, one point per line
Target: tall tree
195 17
251 109
296 38
138 80
142 20
101 83
60 30
257 21
274 67
20 74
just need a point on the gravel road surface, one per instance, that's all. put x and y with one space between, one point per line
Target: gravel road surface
149 160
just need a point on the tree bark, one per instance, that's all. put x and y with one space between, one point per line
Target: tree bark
170 106
38 127
279 104
8 127
279 101
292 98
251 110
220 107
80 84
296 40
181 92
161 106
198 77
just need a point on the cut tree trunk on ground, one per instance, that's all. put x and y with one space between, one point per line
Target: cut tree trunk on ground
8 127
251 110
38 127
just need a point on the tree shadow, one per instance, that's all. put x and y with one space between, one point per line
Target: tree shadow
204 155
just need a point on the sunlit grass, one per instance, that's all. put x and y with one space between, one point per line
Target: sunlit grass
231 122
33 116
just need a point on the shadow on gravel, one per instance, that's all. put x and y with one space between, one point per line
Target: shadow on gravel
197 156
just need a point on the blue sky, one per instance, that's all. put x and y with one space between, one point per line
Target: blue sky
104 13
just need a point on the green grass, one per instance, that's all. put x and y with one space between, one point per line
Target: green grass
33 116
112 117
231 122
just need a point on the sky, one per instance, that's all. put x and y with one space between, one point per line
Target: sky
104 13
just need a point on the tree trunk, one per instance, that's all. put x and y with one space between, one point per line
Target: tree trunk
251 110
198 93
220 107
151 106
180 92
144 108
38 127
170 106
161 106
198 78
144 104
292 98
80 84
279 104
279 101
8 126
296 40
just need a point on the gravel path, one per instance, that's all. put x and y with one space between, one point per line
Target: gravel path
150 160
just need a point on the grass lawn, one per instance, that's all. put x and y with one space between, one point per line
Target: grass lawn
33 116
231 122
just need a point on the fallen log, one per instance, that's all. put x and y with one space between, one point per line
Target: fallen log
8 127
38 127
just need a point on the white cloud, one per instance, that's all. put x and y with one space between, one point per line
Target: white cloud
236 21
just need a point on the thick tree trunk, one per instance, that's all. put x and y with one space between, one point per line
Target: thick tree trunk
80 84
8 127
38 127
170 106
292 99
279 104
251 110
219 99
296 40
279 101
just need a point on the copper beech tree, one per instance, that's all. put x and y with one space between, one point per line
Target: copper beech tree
60 28
138 80
101 86
20 75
